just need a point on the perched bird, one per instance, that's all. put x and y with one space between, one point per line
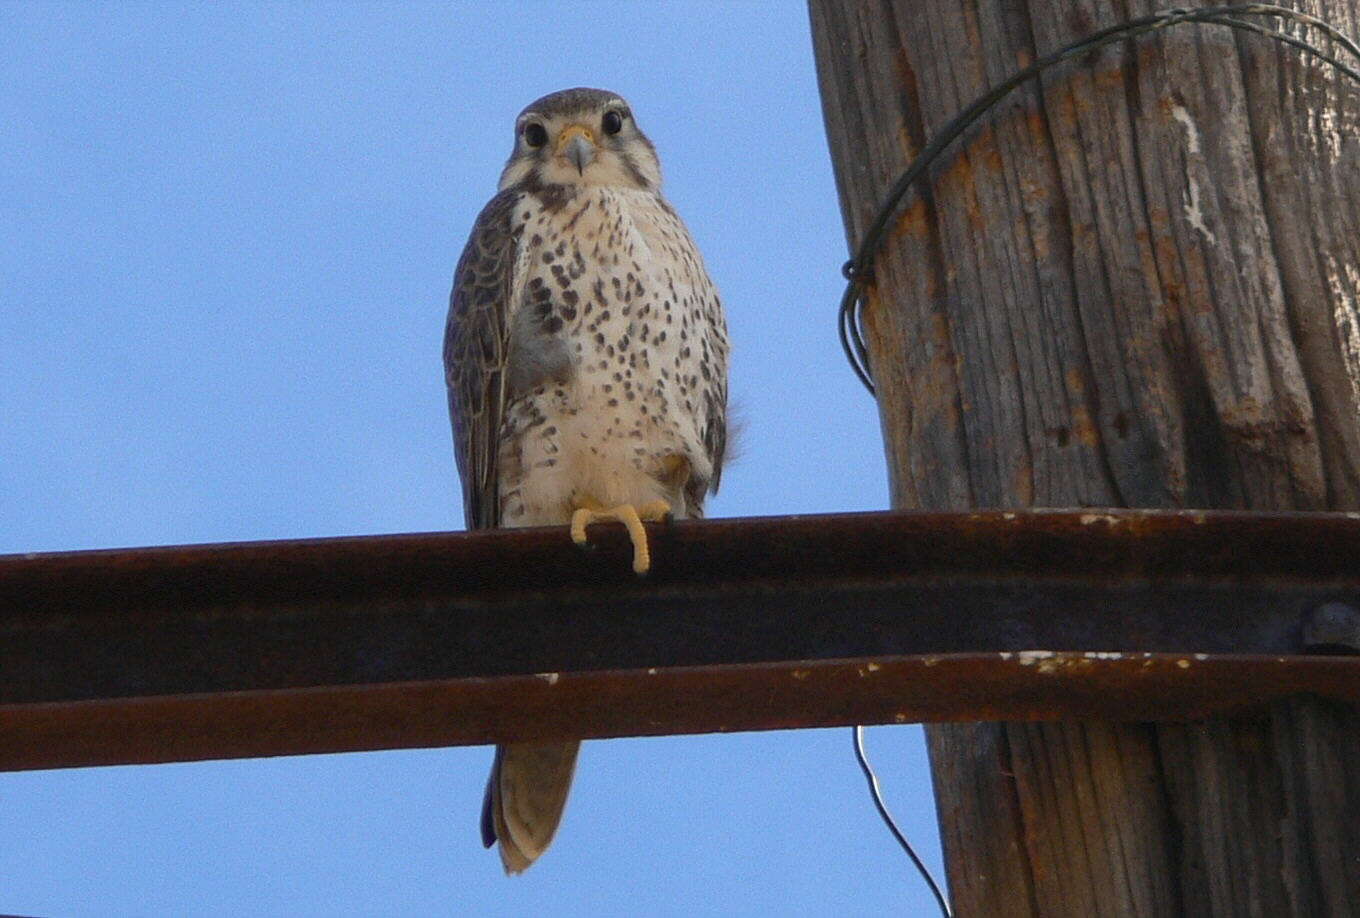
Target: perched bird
586 362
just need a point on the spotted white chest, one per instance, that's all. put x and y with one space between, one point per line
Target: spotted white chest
617 344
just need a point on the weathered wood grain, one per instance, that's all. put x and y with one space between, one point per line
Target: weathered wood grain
1137 283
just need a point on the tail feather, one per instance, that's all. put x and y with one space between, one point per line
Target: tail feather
525 796
489 803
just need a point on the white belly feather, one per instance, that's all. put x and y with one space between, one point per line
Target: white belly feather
618 310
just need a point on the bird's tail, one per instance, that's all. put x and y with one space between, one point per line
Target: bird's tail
525 796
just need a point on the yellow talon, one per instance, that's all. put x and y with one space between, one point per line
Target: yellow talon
631 517
582 518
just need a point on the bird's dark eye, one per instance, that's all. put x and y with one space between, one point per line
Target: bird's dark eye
535 134
612 123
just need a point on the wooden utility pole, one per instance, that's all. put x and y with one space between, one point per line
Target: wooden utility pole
1135 284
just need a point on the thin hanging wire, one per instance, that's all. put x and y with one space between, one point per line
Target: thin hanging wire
877 792
859 269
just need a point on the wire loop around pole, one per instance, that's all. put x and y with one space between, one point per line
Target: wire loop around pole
858 271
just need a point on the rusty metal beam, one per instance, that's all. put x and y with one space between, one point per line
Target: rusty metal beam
270 648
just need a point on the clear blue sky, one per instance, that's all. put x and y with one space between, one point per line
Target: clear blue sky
227 233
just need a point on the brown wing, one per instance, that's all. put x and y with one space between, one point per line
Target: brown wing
714 429
713 344
476 346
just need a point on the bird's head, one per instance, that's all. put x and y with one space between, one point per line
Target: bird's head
581 137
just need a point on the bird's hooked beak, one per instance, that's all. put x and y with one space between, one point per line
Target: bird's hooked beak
577 145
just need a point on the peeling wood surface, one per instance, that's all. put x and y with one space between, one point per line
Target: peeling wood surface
1135 284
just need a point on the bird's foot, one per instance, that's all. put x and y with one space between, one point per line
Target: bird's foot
630 516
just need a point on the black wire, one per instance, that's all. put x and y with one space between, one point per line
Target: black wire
872 778
860 268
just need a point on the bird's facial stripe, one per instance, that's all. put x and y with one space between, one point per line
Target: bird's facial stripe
571 131
631 166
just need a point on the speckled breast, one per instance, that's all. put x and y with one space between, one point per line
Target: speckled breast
616 344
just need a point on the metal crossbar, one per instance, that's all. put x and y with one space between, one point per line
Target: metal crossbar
269 648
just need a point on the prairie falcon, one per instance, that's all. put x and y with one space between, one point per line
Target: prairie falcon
586 363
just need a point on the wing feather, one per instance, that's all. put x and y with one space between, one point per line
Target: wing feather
714 430
476 352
